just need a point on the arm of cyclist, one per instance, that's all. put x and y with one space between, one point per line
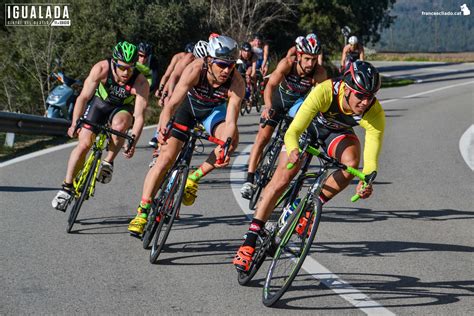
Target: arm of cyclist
167 75
188 80
175 75
142 90
236 95
362 52
97 72
344 55
266 50
374 124
277 76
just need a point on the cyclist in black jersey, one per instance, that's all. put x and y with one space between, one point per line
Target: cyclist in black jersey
119 95
247 66
292 80
352 51
208 92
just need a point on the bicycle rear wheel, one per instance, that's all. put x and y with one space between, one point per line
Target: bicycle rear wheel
260 254
169 206
291 253
242 107
82 192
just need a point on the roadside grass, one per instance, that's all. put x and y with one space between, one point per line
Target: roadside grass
25 144
395 82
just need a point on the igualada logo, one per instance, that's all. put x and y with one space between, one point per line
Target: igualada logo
37 15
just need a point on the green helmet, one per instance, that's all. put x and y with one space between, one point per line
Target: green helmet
125 52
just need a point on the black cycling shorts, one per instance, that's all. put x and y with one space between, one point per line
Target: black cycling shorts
100 112
281 104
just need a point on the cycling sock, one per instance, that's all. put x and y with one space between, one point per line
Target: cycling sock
144 206
252 234
324 199
250 177
67 186
197 174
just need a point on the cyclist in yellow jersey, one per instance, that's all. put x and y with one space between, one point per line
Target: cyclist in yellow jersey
332 108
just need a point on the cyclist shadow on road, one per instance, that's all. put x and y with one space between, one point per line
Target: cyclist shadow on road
107 225
390 291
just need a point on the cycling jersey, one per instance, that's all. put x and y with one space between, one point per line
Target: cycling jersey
325 102
292 88
246 64
204 104
115 94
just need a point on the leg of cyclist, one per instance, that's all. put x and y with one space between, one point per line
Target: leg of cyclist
152 182
216 124
265 205
121 121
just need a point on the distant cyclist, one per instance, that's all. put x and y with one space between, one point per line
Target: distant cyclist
292 50
290 82
352 51
147 65
247 66
118 94
261 49
333 108
209 92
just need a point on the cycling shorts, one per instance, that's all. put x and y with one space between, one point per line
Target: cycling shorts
192 112
283 103
100 112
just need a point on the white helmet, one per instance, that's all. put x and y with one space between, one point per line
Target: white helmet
353 40
311 35
223 47
299 39
200 49
308 46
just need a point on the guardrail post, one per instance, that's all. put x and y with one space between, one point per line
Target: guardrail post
9 140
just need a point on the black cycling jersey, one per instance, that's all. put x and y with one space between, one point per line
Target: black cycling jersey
295 84
115 94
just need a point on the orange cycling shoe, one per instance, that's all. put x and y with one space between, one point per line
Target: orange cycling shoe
243 258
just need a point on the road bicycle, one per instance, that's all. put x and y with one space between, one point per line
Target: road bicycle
84 182
288 240
267 163
167 203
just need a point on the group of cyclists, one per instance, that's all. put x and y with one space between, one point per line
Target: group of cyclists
205 85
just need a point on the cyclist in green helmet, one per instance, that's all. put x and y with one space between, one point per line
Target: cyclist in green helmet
118 95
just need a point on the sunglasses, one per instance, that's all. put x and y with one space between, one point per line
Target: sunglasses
123 67
223 64
142 55
362 96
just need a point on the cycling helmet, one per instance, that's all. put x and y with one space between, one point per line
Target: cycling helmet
258 36
223 47
200 49
212 35
311 35
144 48
125 52
353 40
362 77
299 39
308 46
189 47
246 47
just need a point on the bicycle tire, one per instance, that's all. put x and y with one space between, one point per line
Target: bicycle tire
82 193
168 211
271 292
268 169
151 226
248 107
242 108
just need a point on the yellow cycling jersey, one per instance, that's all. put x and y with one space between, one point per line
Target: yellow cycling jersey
325 103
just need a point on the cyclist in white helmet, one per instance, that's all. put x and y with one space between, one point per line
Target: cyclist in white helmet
208 92
292 50
353 51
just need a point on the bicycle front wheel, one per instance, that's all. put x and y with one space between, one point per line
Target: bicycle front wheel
151 225
83 191
260 254
291 252
242 107
173 190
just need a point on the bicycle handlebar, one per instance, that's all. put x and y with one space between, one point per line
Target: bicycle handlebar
200 134
106 129
270 113
367 179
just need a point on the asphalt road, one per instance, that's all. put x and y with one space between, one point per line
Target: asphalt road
409 248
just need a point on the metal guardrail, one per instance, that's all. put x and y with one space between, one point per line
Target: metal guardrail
32 124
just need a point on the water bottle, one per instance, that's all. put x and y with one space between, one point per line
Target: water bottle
287 211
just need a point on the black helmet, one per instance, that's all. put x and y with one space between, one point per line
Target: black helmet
189 48
144 48
362 77
258 36
246 46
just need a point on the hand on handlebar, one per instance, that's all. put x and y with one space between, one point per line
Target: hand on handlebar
267 112
129 147
364 191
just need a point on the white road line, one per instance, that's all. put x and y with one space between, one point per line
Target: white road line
427 92
310 265
45 151
466 146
